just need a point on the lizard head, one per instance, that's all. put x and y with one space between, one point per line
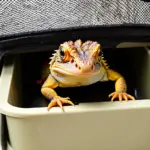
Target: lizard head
76 58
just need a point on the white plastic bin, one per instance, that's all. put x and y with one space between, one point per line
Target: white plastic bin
87 126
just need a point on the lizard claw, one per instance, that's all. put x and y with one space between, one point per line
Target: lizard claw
121 96
58 101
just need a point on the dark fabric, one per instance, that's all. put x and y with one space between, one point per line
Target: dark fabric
17 16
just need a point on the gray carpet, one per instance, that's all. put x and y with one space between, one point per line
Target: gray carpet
17 16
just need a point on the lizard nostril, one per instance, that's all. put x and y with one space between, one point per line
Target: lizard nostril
72 61
79 67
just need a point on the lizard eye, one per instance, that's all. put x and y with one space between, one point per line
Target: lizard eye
62 53
65 56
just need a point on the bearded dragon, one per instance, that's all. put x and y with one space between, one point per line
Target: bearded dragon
77 64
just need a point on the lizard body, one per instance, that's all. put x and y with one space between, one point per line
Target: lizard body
80 64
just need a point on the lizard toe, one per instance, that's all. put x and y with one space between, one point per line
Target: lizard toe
59 101
121 96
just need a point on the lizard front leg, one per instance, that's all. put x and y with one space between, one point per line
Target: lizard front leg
120 86
48 91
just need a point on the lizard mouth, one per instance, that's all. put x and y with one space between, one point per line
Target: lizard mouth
73 71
